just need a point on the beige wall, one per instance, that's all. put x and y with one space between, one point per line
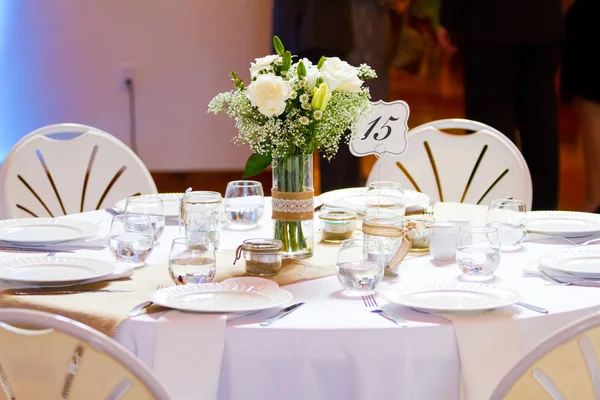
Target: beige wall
183 50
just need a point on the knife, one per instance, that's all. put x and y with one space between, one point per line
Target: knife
282 313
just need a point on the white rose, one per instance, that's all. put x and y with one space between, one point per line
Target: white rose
312 73
261 63
340 75
269 93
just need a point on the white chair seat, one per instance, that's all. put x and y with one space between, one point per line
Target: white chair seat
69 168
474 168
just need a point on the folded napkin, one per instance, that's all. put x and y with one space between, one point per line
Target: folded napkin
194 342
489 345
122 270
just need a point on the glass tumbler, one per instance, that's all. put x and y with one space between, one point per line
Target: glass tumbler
244 203
192 262
201 214
131 238
510 218
357 272
478 252
152 207
385 197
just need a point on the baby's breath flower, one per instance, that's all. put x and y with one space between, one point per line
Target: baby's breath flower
304 120
318 114
304 98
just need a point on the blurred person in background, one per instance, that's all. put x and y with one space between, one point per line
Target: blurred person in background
356 31
580 87
510 56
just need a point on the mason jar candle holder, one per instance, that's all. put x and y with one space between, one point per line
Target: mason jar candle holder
388 232
263 257
417 229
337 225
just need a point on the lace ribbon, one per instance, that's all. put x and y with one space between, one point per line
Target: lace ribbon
293 206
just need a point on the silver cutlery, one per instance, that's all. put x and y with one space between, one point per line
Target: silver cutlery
112 211
372 306
569 282
36 249
566 239
30 292
281 313
135 311
532 307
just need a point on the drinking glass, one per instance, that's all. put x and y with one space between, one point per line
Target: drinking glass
478 252
385 197
131 238
510 218
244 202
360 266
192 262
201 214
152 207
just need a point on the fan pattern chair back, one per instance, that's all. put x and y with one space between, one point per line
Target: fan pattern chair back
45 356
68 168
563 367
472 168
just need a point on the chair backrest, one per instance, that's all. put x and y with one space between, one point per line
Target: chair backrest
46 356
472 168
565 366
68 168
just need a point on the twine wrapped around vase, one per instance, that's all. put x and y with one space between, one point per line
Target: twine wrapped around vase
293 206
390 231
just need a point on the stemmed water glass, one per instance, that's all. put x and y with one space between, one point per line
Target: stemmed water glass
131 238
192 262
244 203
510 218
478 252
385 197
360 266
150 206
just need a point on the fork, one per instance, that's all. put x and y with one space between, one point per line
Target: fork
571 282
135 311
567 239
372 306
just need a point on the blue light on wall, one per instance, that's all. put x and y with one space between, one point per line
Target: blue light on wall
6 139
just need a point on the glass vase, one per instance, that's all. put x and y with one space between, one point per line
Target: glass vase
293 204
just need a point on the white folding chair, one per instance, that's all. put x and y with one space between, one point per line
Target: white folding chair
565 366
472 168
68 168
46 356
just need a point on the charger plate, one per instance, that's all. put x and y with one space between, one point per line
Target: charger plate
45 230
451 297
53 271
563 223
229 296
580 263
356 199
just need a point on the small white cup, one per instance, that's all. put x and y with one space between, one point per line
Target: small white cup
443 241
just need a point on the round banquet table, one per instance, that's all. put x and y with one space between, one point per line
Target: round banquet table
331 348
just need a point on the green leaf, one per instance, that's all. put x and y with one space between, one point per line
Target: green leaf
301 70
256 164
278 46
287 60
321 62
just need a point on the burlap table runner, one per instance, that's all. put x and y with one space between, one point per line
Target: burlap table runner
105 311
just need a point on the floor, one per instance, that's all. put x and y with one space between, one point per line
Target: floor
434 92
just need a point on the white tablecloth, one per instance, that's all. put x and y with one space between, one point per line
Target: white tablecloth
332 349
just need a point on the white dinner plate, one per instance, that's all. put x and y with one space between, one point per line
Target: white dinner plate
563 223
356 199
229 296
53 271
452 297
45 230
171 203
581 263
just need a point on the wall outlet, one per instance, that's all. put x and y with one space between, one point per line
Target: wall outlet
126 71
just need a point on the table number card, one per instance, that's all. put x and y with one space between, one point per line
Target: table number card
384 132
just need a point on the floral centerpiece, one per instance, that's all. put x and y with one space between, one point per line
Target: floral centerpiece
289 111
